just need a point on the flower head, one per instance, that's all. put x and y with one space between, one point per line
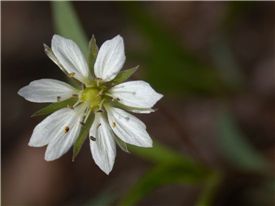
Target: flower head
101 96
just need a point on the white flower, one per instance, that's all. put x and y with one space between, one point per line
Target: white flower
99 96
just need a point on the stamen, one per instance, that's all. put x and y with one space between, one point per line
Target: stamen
71 75
87 114
98 81
100 93
58 98
70 106
98 125
101 103
76 104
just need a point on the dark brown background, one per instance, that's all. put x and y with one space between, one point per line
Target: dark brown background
29 180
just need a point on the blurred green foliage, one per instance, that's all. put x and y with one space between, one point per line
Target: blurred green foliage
177 69
170 167
236 148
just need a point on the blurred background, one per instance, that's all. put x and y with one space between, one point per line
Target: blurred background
214 129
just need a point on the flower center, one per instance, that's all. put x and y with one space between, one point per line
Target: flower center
93 96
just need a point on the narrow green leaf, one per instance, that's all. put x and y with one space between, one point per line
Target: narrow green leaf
68 25
82 136
161 175
124 75
236 148
212 184
159 154
93 50
104 198
54 107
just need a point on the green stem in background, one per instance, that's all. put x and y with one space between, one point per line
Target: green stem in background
67 24
212 183
160 175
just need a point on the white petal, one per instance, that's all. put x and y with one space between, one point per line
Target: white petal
136 94
70 57
63 137
103 148
128 128
110 59
47 129
47 90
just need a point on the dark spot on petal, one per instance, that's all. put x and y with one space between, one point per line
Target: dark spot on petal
66 129
92 138
113 124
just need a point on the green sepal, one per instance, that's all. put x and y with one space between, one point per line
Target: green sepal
124 75
54 107
51 55
82 136
121 144
92 54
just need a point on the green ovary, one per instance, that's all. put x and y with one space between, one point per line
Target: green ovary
93 96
